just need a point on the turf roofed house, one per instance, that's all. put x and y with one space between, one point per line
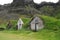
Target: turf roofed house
20 24
36 23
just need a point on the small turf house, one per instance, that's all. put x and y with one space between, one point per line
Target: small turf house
20 24
36 23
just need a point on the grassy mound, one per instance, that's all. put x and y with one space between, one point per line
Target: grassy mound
49 22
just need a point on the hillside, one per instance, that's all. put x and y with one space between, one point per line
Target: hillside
24 7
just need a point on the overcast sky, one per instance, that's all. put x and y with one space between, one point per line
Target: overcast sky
5 1
39 1
36 1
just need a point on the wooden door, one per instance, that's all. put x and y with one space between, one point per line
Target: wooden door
36 27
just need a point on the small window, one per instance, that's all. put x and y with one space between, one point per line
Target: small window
36 21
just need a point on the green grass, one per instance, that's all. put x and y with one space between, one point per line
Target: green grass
29 35
51 22
50 32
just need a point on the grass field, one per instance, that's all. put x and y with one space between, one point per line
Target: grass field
51 30
29 35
